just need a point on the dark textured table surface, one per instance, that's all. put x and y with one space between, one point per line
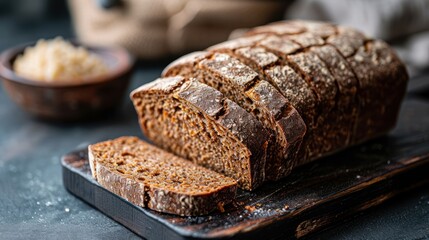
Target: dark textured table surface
35 205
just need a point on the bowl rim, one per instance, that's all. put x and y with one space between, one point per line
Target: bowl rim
126 62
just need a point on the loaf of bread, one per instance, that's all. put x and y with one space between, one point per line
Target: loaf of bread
307 89
251 109
150 177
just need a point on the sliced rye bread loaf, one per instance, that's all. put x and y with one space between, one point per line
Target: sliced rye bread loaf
198 123
150 177
346 87
242 85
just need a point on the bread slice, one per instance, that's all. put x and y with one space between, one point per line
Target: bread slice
303 97
316 73
241 84
196 122
347 101
150 177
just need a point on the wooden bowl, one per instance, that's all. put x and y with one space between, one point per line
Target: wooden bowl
70 100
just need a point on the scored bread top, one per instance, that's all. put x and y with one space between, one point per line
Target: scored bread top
347 41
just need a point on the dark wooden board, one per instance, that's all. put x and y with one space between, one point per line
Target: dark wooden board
312 198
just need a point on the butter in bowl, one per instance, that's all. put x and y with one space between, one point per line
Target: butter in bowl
66 81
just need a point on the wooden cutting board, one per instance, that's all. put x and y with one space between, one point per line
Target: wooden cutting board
314 197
